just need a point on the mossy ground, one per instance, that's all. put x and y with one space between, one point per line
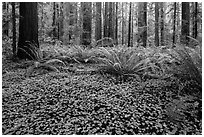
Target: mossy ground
67 102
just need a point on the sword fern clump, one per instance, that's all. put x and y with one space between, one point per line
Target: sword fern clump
123 62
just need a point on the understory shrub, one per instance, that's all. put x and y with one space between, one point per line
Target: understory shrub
82 55
43 65
189 64
123 62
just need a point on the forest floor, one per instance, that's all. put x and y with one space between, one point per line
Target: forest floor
68 102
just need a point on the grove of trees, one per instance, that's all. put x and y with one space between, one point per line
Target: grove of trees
131 23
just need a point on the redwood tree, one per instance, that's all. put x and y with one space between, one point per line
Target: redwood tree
87 19
185 22
14 28
28 31
142 23
162 23
98 31
5 19
156 24
116 23
106 20
129 25
195 19
174 24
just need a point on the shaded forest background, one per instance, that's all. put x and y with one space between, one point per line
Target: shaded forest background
130 23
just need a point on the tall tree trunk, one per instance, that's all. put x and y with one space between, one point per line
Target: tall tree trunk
157 24
61 25
14 29
42 19
116 23
195 18
106 20
58 32
185 22
66 23
28 31
5 27
122 24
87 19
98 31
142 23
132 26
54 21
162 23
174 25
129 26
110 24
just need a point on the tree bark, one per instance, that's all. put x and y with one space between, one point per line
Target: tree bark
87 20
28 31
106 20
98 31
142 23
110 27
14 29
116 23
5 19
174 25
185 22
162 23
129 25
122 25
156 24
58 24
61 25
54 32
195 20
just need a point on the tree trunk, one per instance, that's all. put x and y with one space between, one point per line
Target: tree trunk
87 19
110 27
42 20
156 24
185 22
174 25
162 23
54 32
129 26
106 20
142 23
195 18
98 31
116 24
58 15
5 19
122 24
28 31
14 29
61 25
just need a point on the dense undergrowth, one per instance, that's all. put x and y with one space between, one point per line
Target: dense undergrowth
70 101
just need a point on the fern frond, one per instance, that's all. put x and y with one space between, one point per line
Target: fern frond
55 60
19 48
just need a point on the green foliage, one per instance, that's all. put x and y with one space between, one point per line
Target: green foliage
45 65
190 63
83 55
31 49
123 62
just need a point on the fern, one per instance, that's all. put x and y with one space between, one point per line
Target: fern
122 62
187 68
43 65
31 49
83 55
